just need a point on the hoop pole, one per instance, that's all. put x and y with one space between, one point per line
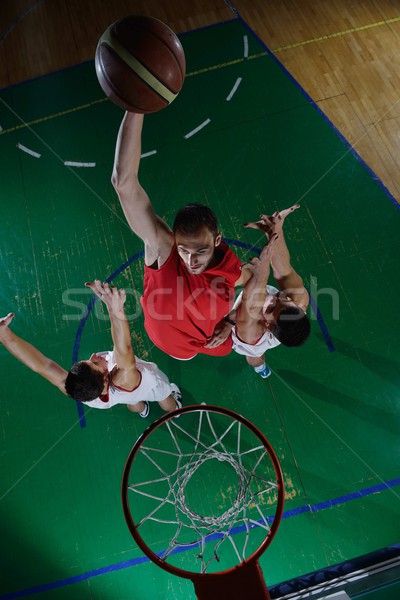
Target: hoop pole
244 581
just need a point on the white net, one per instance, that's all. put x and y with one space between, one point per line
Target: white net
202 491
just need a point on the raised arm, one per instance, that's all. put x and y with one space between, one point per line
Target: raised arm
155 233
127 375
31 356
250 325
286 277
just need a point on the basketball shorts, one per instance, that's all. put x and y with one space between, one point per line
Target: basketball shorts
266 342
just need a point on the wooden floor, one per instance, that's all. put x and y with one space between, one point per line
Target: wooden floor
346 55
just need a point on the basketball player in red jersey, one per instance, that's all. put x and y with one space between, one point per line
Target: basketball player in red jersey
189 273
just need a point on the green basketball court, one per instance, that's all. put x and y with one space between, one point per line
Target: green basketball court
243 138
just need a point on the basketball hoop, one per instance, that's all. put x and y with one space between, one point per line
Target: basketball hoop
203 497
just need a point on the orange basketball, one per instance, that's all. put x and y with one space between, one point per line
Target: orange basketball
140 64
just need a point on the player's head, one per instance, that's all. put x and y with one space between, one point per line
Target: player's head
196 236
192 218
87 379
286 321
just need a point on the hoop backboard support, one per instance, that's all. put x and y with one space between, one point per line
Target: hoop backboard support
245 581
215 433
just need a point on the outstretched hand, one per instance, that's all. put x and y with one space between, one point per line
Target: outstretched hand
271 224
113 298
5 321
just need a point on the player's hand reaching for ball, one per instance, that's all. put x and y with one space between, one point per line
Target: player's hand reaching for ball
271 224
113 298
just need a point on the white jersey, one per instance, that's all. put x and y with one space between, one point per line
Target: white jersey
266 342
154 386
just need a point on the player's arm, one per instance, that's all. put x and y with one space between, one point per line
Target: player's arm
292 285
224 327
31 356
244 277
154 232
250 325
287 279
127 375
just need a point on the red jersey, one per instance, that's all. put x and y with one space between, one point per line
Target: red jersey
182 310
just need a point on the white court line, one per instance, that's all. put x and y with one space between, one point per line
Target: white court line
146 154
246 46
70 163
233 90
28 151
206 122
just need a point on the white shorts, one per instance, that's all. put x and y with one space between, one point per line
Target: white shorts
266 342
155 385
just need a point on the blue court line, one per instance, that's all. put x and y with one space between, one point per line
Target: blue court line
242 245
314 508
307 508
19 18
132 259
316 107
322 324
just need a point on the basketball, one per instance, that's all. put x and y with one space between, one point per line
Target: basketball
140 64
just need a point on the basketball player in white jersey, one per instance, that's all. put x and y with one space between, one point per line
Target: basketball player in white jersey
264 316
107 378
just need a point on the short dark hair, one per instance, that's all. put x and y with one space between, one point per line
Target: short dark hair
84 383
292 327
190 219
